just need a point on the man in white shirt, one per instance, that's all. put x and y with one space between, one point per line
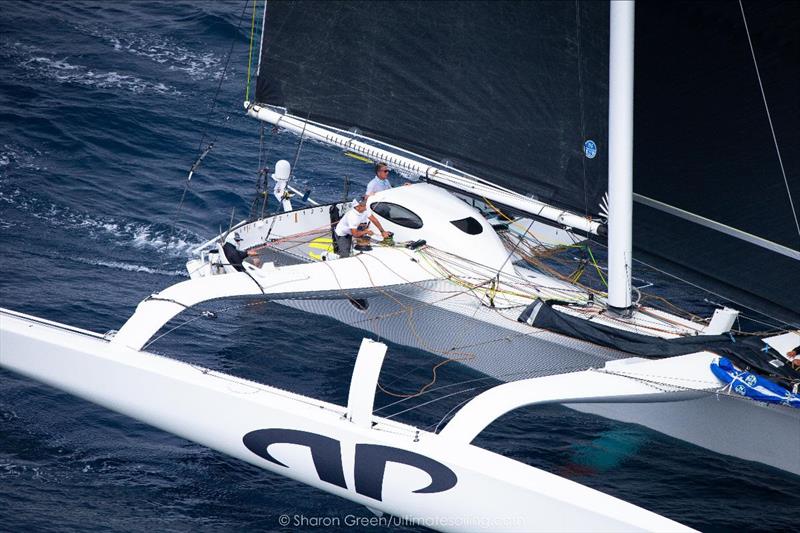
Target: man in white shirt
348 226
381 180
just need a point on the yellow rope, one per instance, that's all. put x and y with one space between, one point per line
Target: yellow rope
250 56
596 266
490 204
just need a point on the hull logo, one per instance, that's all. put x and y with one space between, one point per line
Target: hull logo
370 460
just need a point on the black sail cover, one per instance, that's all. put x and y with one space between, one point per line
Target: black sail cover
748 352
511 91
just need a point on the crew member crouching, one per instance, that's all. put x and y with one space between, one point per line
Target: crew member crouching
348 226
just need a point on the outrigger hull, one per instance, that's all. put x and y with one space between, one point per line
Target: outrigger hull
428 479
722 423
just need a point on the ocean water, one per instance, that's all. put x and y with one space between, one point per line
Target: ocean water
102 109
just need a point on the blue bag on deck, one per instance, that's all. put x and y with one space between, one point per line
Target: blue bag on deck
753 386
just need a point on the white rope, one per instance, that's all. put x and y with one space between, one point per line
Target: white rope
769 118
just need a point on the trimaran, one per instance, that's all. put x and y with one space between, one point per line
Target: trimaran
454 281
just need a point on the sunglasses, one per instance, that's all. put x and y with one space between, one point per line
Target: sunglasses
384 170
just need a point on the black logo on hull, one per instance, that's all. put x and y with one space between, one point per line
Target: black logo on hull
370 460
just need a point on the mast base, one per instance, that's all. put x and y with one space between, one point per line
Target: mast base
622 312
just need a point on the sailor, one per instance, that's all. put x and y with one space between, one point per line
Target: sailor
351 226
236 257
381 180
793 356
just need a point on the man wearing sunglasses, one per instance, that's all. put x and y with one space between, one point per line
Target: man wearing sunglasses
381 180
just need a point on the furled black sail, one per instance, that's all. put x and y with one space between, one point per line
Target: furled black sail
746 351
511 90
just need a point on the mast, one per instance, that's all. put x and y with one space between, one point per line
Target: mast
620 154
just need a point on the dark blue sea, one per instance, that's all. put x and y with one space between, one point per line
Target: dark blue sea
102 109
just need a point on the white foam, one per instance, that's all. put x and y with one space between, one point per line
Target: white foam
13 156
128 267
161 50
62 71
139 235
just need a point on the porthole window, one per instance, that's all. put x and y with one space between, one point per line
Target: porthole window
397 214
468 225
359 303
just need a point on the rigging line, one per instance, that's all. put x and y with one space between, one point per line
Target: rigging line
533 259
479 269
250 53
339 284
300 145
260 174
207 124
529 374
514 250
498 379
423 404
769 118
756 321
408 311
261 42
442 387
146 346
647 295
461 391
718 295
422 390
596 266
446 416
224 72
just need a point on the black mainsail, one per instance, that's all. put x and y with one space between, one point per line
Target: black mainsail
497 88
510 91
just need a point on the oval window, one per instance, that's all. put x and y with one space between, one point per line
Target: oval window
468 225
359 303
397 214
